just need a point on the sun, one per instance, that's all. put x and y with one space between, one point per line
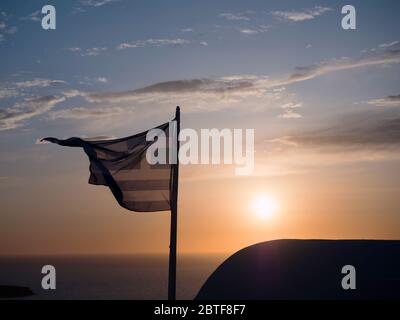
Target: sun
265 206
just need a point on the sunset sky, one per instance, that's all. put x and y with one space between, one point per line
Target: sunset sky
324 103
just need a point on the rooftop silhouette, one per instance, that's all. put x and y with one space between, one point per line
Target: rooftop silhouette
307 269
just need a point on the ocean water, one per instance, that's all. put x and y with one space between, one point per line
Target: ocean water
109 277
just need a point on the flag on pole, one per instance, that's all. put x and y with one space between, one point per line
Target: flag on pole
139 182
122 165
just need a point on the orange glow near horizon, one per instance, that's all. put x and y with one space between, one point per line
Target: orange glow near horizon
68 216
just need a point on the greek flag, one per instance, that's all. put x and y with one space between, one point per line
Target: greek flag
121 164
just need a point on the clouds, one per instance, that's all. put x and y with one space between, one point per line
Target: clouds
96 3
242 85
234 17
22 88
225 87
231 89
290 114
292 105
389 101
34 16
312 71
382 134
200 94
389 44
13 117
83 5
303 15
8 93
361 130
102 79
89 52
96 51
27 105
92 113
90 81
6 30
254 30
152 43
290 110
93 52
246 23
74 49
38 83
223 92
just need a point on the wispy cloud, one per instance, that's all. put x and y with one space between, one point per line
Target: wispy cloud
90 81
234 16
226 86
5 28
89 52
27 87
89 112
291 110
389 101
74 49
38 83
365 135
389 44
223 92
393 45
290 114
13 117
11 30
244 85
84 5
8 93
312 71
34 16
96 3
93 52
254 30
292 105
153 43
303 15
357 131
102 79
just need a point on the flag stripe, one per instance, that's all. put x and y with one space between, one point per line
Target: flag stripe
145 206
134 185
140 174
146 195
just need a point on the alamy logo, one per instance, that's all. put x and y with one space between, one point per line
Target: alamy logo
49 280
349 20
349 280
204 148
49 20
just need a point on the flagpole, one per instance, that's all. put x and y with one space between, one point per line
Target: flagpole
174 216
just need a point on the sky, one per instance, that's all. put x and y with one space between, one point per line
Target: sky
324 103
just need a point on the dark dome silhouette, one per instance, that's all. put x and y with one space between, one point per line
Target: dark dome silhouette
14 292
307 269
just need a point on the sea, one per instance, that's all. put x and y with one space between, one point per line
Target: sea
127 277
